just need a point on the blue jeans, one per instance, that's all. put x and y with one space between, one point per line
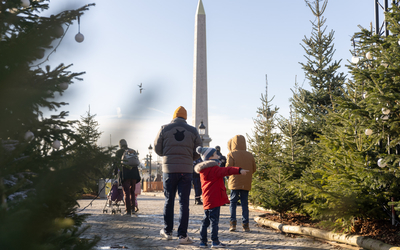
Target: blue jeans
180 182
213 216
244 197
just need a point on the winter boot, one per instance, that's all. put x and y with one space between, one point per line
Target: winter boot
198 201
246 227
233 226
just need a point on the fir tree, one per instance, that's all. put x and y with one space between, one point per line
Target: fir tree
264 146
271 182
358 167
41 169
325 81
88 129
321 72
312 106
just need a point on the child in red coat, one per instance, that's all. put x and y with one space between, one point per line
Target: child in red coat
214 192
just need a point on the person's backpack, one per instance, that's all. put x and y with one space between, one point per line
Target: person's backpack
130 158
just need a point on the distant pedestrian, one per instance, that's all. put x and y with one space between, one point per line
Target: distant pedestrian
177 143
197 184
129 176
214 192
222 158
240 185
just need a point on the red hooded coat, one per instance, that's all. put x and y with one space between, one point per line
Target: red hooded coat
212 183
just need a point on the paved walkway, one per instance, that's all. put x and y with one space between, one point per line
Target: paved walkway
142 230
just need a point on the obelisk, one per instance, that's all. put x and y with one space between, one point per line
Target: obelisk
200 106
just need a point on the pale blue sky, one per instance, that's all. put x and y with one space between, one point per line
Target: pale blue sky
129 42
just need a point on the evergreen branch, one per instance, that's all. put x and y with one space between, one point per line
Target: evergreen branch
54 50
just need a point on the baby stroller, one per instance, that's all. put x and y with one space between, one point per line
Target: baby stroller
114 198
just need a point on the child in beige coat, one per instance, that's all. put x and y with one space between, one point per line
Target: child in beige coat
240 185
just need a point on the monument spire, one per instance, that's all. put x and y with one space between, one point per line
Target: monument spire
200 105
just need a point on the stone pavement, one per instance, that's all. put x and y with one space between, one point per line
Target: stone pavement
142 231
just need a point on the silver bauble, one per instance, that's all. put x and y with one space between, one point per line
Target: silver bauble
79 37
63 85
56 144
29 136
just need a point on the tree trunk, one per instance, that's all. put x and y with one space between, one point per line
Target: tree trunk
354 240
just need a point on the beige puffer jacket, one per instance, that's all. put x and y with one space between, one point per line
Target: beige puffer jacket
239 157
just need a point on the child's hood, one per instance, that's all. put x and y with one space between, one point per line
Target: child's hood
203 165
238 142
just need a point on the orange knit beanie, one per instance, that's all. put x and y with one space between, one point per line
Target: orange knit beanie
180 112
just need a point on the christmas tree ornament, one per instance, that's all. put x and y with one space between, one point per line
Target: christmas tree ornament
385 117
56 144
40 53
79 37
29 136
381 164
385 111
25 3
63 85
368 131
368 55
364 95
384 64
58 31
355 59
398 42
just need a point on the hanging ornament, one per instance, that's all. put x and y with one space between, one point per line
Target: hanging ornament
79 37
29 136
56 144
40 53
368 55
398 42
365 95
368 131
58 31
381 164
384 64
25 3
385 111
63 85
385 117
355 59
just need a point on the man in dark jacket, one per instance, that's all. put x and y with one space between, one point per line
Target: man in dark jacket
177 143
129 176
